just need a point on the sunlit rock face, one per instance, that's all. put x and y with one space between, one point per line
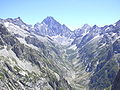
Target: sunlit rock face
49 26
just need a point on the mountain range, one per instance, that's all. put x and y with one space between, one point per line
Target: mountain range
50 56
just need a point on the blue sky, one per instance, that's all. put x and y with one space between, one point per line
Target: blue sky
73 13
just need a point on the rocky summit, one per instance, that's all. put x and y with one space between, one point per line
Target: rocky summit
50 56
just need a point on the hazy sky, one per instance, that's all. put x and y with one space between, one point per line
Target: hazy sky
73 13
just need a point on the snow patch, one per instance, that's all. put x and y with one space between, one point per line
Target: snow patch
14 29
22 40
62 40
6 24
74 47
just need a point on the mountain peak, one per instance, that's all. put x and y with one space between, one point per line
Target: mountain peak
86 26
14 19
19 22
49 17
18 19
50 20
49 26
118 23
95 27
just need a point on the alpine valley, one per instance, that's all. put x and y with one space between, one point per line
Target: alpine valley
50 56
